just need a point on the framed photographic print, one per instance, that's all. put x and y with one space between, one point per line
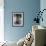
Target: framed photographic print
17 19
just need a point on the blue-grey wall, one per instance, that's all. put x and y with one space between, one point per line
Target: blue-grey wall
43 6
29 7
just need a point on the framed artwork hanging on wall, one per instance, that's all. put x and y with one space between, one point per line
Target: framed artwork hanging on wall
17 19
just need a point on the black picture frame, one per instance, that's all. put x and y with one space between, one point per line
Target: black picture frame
17 19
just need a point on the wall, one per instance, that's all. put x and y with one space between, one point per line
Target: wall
43 6
29 7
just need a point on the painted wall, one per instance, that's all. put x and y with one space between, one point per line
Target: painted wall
29 7
43 6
